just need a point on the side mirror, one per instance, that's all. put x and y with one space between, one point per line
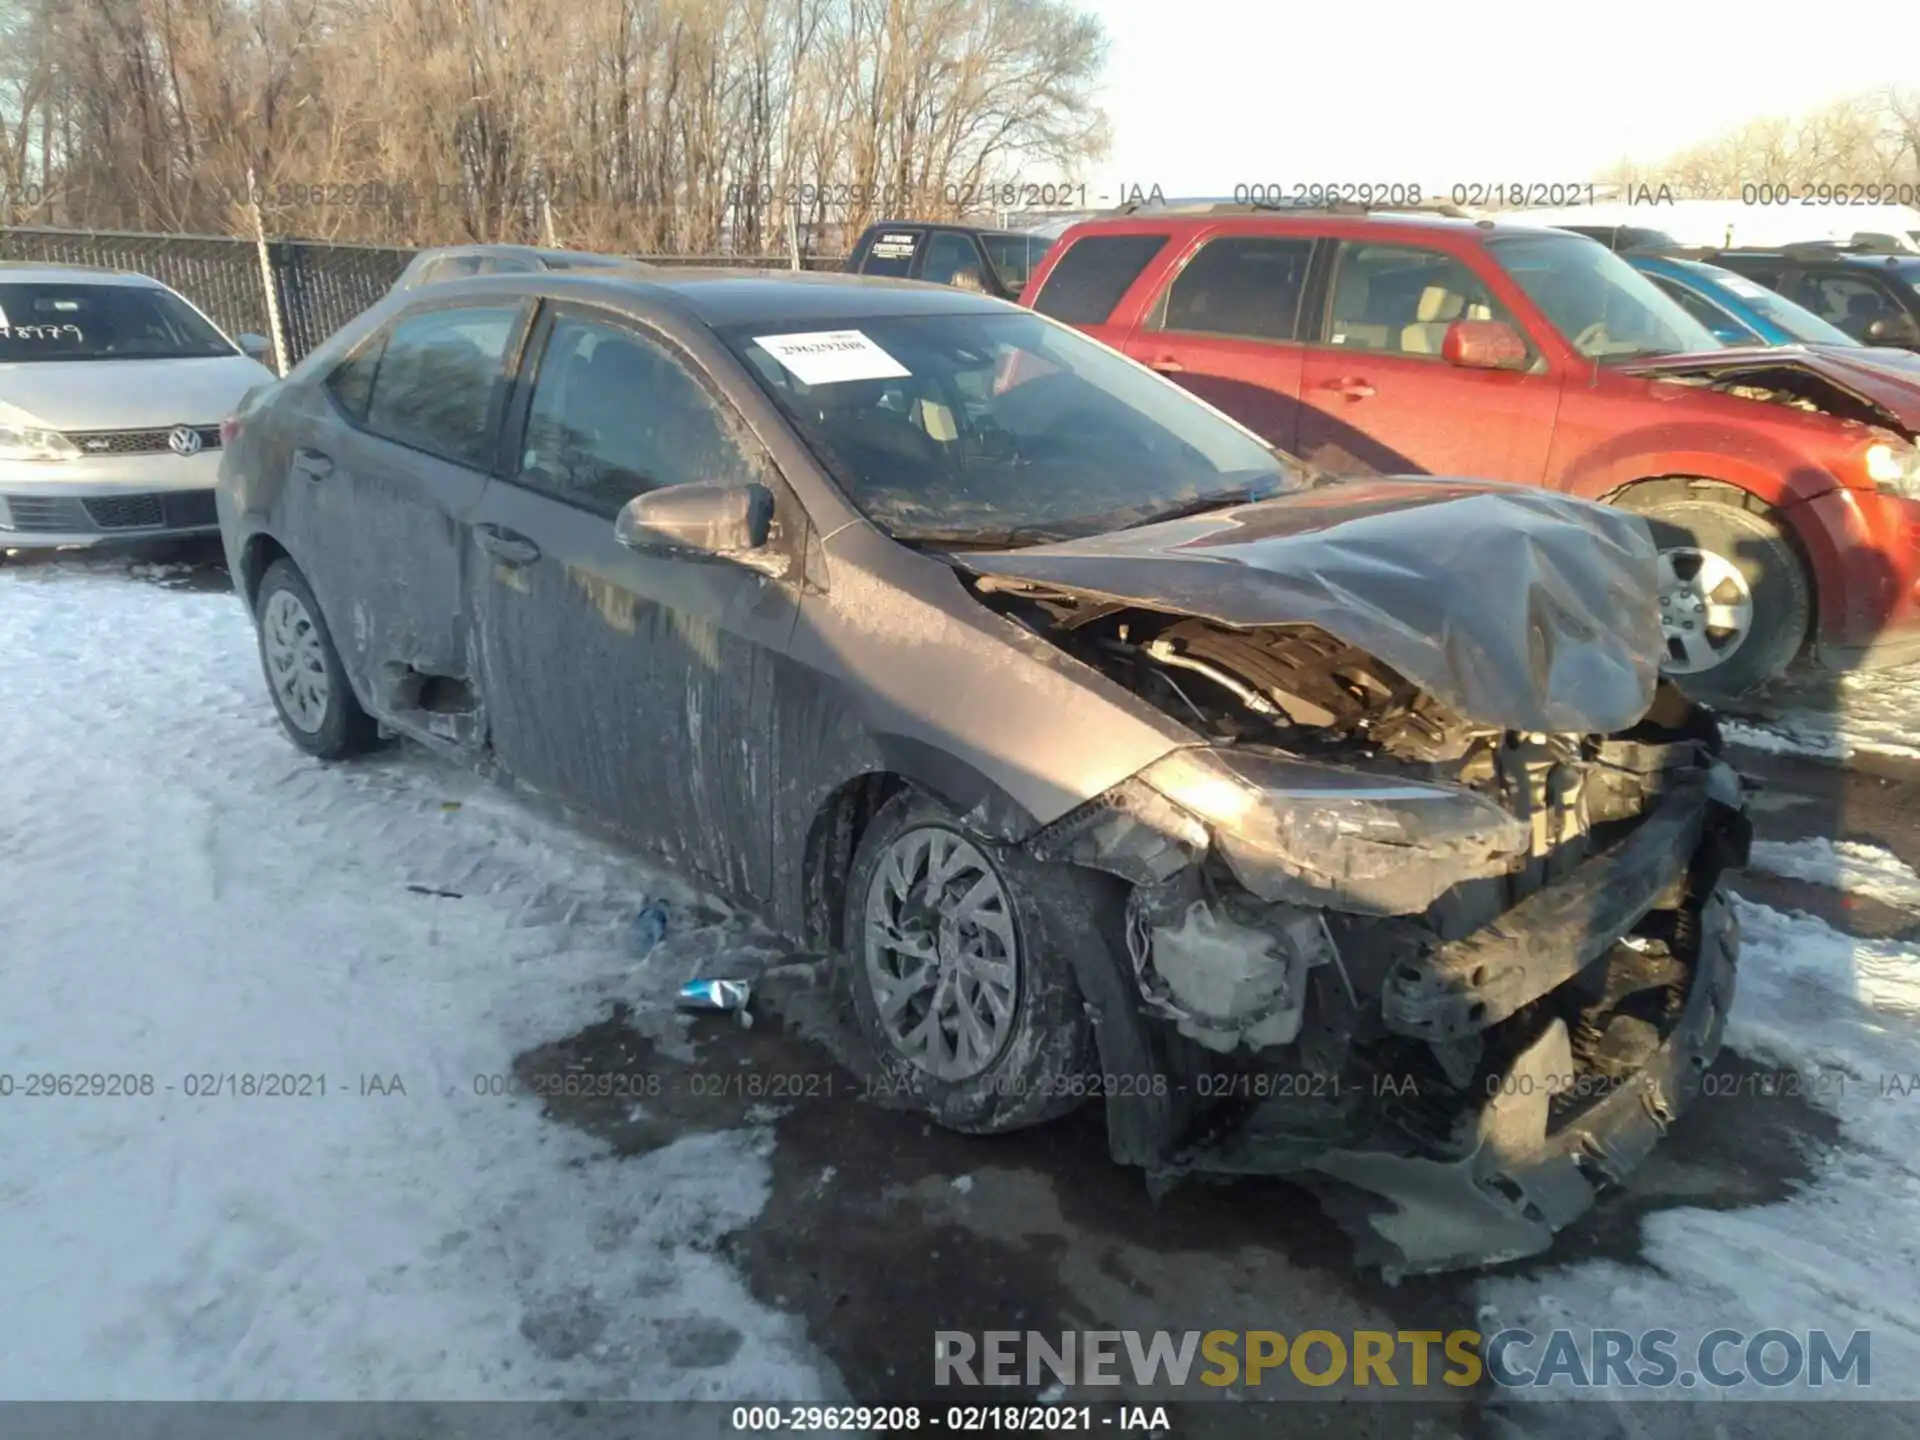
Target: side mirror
1484 345
256 347
706 518
1893 330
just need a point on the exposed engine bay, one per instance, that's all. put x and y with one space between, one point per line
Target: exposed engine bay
1475 1024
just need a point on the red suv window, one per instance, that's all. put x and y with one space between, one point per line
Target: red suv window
1242 286
1088 281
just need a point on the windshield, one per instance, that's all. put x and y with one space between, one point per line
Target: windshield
1002 428
1014 256
1606 309
102 322
1798 321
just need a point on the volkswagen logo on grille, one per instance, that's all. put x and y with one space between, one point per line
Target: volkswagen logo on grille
184 440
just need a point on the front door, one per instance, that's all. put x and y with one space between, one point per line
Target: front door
634 686
1376 396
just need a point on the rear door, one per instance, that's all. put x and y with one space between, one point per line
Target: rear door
1100 281
635 686
1225 325
382 488
1377 398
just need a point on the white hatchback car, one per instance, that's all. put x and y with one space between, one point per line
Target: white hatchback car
112 390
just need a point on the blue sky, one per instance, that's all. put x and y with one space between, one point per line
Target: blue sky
1208 94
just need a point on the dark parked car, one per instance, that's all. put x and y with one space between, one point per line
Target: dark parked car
457 262
994 262
1336 829
1872 294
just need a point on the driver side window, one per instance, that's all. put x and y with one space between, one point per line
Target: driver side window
1400 300
613 414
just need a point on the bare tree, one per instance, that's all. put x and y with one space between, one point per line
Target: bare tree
629 125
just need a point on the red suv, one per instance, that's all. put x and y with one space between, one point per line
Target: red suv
1784 492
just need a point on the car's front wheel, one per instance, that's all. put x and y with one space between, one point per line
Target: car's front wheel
1735 599
958 963
309 686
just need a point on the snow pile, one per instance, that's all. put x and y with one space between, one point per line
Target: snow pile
1848 865
188 896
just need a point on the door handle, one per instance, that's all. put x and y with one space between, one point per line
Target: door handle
1167 365
509 546
1350 387
314 464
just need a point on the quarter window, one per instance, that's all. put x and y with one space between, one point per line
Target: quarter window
613 415
1401 300
1243 285
438 379
1096 271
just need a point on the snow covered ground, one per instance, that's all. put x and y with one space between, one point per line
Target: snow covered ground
184 895
1835 719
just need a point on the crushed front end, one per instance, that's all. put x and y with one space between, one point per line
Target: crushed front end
1454 976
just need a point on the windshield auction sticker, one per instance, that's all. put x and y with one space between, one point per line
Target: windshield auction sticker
831 357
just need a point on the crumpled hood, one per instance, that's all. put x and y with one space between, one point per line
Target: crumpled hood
128 394
1516 607
1873 376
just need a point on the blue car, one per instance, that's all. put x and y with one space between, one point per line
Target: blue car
1740 311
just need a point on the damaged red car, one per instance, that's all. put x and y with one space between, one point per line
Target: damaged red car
1783 485
1335 829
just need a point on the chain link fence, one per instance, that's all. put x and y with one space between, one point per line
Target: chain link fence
318 286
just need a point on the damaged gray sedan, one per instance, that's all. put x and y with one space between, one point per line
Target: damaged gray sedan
1338 830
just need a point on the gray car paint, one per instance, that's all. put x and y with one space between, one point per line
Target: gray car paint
865 657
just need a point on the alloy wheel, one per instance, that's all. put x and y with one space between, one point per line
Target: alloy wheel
1706 609
942 954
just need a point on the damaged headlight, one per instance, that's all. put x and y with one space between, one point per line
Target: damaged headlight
1342 839
1894 467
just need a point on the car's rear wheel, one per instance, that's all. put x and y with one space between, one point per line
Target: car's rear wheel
1735 598
960 973
316 705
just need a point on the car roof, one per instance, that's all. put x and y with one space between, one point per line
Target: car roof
37 272
1813 255
733 296
1310 221
953 225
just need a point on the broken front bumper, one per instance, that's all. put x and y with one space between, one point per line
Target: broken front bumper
1521 1181
1485 1164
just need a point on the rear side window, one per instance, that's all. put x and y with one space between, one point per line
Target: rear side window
891 253
1245 286
1096 271
438 379
947 256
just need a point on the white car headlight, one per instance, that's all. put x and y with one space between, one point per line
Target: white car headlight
1323 835
27 442
1894 466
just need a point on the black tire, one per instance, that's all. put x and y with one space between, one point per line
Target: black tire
1776 578
1044 1065
344 729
